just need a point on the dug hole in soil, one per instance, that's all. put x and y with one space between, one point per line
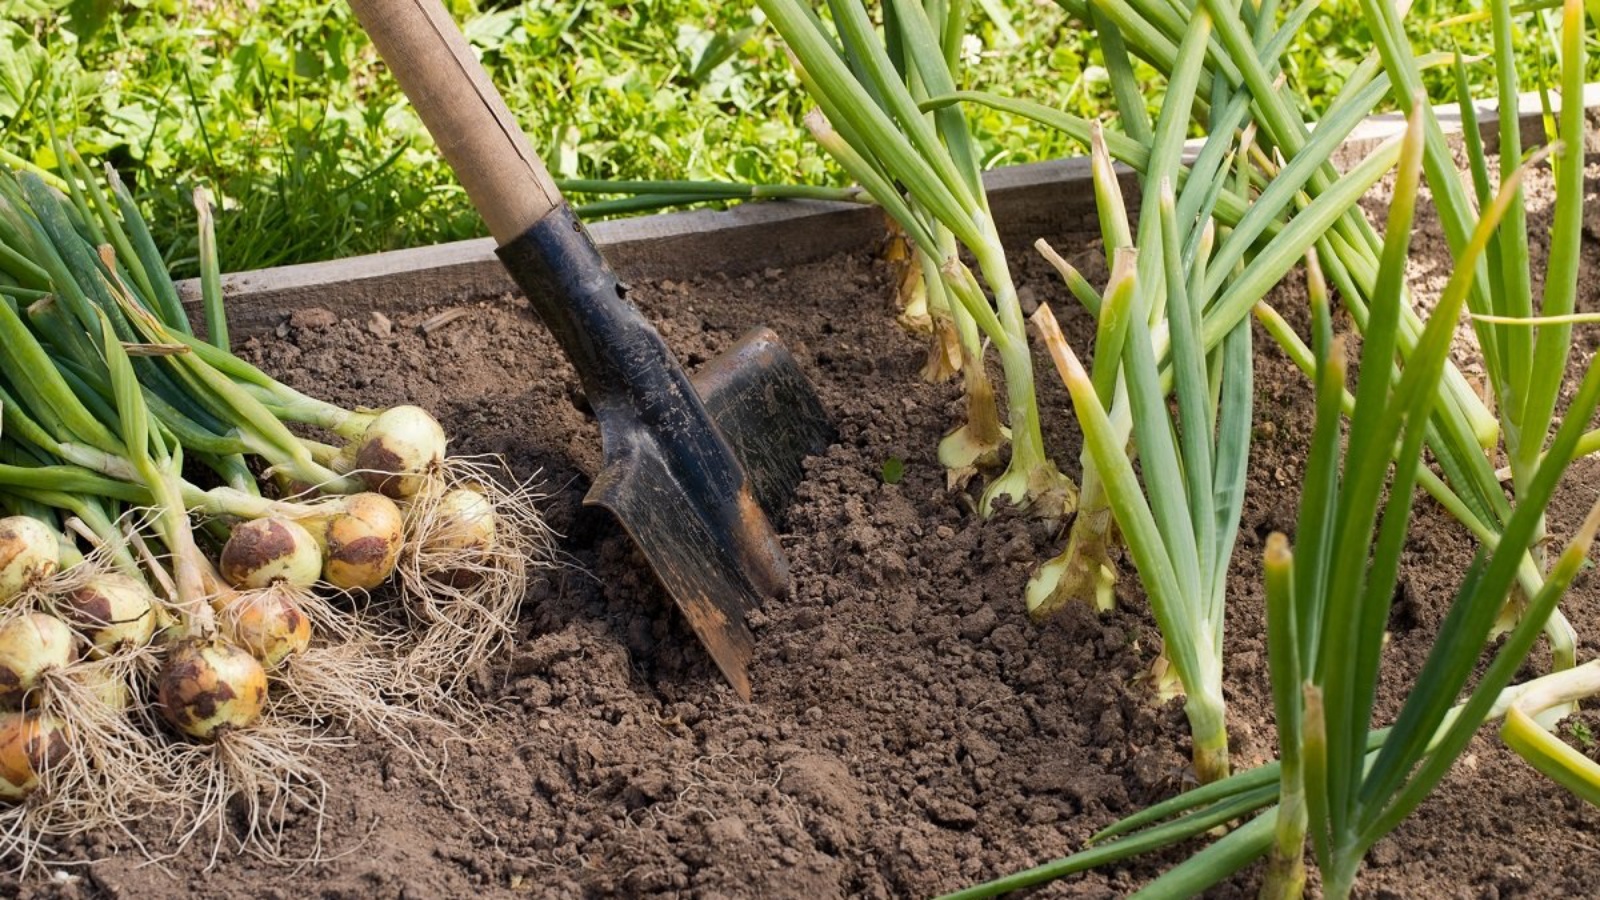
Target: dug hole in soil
911 731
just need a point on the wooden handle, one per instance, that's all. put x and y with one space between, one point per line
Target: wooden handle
474 129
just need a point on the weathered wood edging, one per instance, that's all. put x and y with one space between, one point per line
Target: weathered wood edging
1028 200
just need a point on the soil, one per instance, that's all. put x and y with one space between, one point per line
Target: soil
911 731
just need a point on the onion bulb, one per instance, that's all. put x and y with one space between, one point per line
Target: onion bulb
30 744
464 520
363 541
30 646
402 447
108 685
273 550
461 530
111 610
28 552
209 686
267 623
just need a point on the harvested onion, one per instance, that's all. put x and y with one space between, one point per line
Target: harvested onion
111 610
29 552
362 541
268 623
107 684
30 646
273 550
401 449
466 521
461 537
207 687
30 744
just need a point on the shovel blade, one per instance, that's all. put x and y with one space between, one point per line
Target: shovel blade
769 413
711 588
719 563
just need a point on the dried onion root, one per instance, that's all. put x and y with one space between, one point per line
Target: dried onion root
472 542
247 787
73 757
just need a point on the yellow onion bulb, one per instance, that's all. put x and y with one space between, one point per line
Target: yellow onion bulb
30 646
30 744
111 610
269 624
29 552
268 551
362 541
463 525
108 685
400 450
207 687
464 520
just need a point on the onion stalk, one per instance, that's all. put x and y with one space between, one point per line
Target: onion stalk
1180 528
1341 784
866 88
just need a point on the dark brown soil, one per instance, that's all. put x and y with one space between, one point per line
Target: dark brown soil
911 732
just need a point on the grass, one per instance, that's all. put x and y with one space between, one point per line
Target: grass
282 109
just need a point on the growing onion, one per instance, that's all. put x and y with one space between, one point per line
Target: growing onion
112 610
267 623
363 541
209 686
401 448
273 550
30 744
30 646
28 552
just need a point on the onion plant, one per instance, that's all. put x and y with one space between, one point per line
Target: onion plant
1181 528
1528 349
1084 570
1241 85
1179 318
1341 783
1525 356
923 168
253 563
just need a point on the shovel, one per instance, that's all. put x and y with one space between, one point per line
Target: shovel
692 469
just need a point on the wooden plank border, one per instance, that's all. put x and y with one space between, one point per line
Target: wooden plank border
1052 197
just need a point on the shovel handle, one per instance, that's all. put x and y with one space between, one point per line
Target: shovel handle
467 117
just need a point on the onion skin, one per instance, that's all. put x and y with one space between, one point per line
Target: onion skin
268 624
363 542
112 611
465 527
28 553
207 687
401 449
30 744
31 645
111 688
274 550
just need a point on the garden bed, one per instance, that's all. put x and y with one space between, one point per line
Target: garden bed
910 731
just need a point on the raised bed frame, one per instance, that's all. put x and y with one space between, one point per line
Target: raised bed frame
1028 201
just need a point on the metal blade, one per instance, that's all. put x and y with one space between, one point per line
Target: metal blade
768 412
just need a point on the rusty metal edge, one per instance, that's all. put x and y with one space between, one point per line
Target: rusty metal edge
1044 198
